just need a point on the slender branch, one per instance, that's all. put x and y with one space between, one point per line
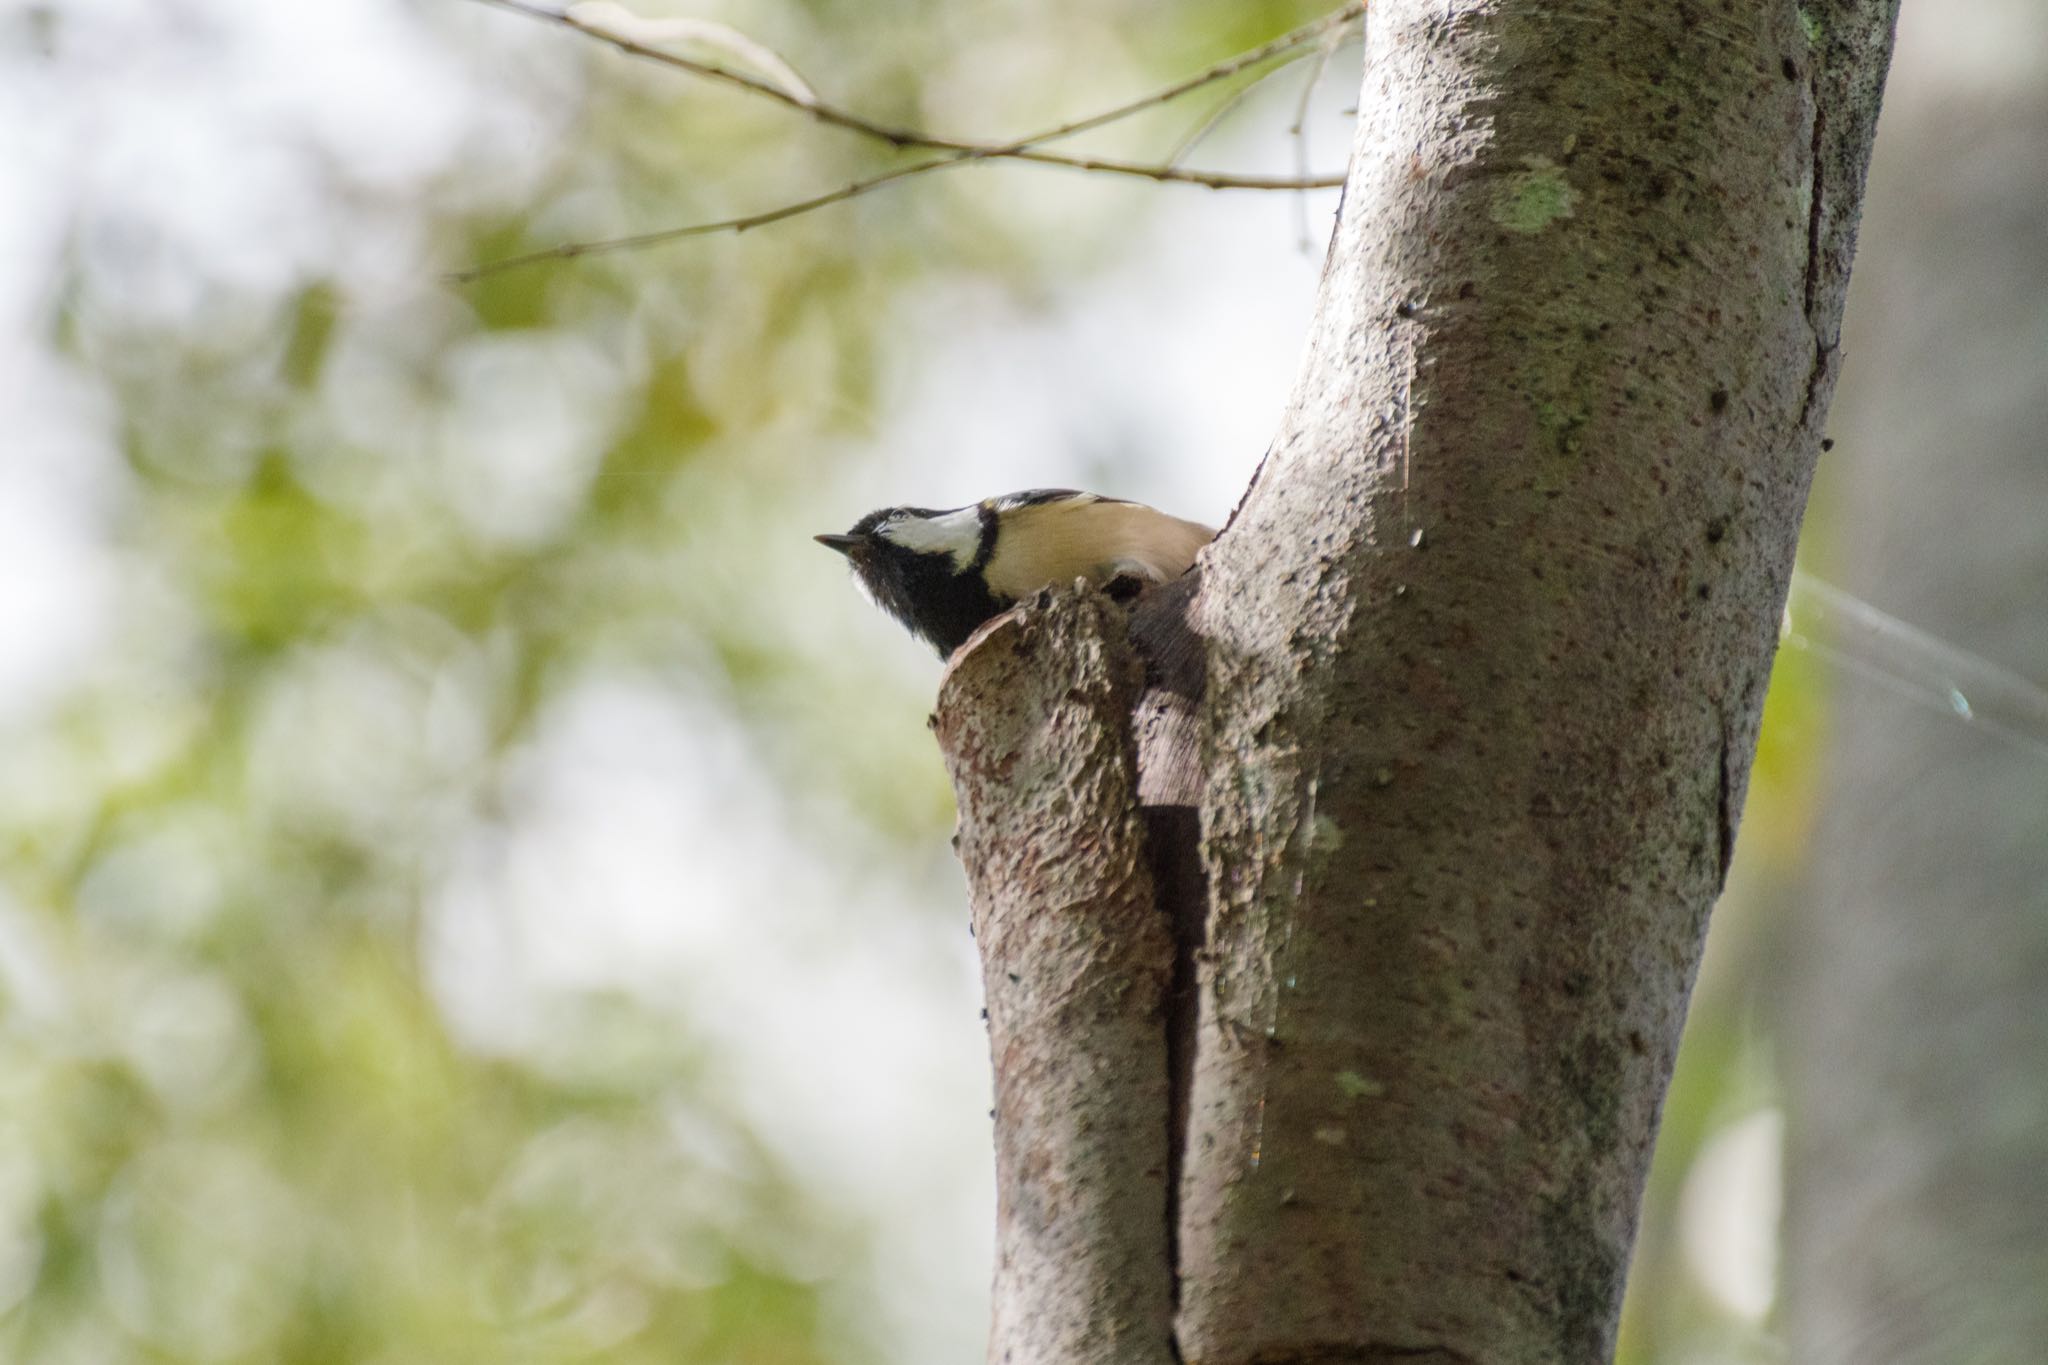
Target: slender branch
1223 70
1169 175
1224 108
606 246
1299 129
603 247
724 75
959 151
609 16
911 137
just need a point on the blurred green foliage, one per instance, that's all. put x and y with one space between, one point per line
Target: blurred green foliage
367 529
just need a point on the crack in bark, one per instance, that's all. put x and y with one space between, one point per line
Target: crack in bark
1816 213
1165 736
1728 812
1815 205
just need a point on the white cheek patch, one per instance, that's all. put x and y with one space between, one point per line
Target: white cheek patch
957 534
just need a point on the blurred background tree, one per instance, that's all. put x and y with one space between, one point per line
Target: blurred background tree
1912 1011
473 877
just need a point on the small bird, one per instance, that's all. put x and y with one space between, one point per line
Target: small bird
944 572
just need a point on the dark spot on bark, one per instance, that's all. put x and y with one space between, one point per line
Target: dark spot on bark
1718 400
1717 530
1704 591
1827 443
1468 290
1407 308
1791 69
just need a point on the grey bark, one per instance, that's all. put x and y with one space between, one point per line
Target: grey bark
1916 1038
1489 640
1485 649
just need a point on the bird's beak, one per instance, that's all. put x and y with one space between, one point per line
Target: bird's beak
843 544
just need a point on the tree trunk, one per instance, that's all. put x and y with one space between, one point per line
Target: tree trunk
1485 648
1917 1037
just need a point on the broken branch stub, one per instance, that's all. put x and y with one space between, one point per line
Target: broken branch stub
1034 721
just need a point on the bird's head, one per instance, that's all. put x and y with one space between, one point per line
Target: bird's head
923 566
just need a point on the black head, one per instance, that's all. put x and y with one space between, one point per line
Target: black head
923 566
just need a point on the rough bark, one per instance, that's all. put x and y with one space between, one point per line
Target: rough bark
1485 649
1034 719
1916 1036
1488 645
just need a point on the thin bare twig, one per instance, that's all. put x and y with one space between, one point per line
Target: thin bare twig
1336 19
1299 130
607 245
611 17
1172 175
1209 122
960 152
568 251
911 137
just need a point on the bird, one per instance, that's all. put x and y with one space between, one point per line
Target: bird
942 572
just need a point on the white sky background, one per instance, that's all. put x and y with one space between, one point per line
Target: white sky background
178 141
